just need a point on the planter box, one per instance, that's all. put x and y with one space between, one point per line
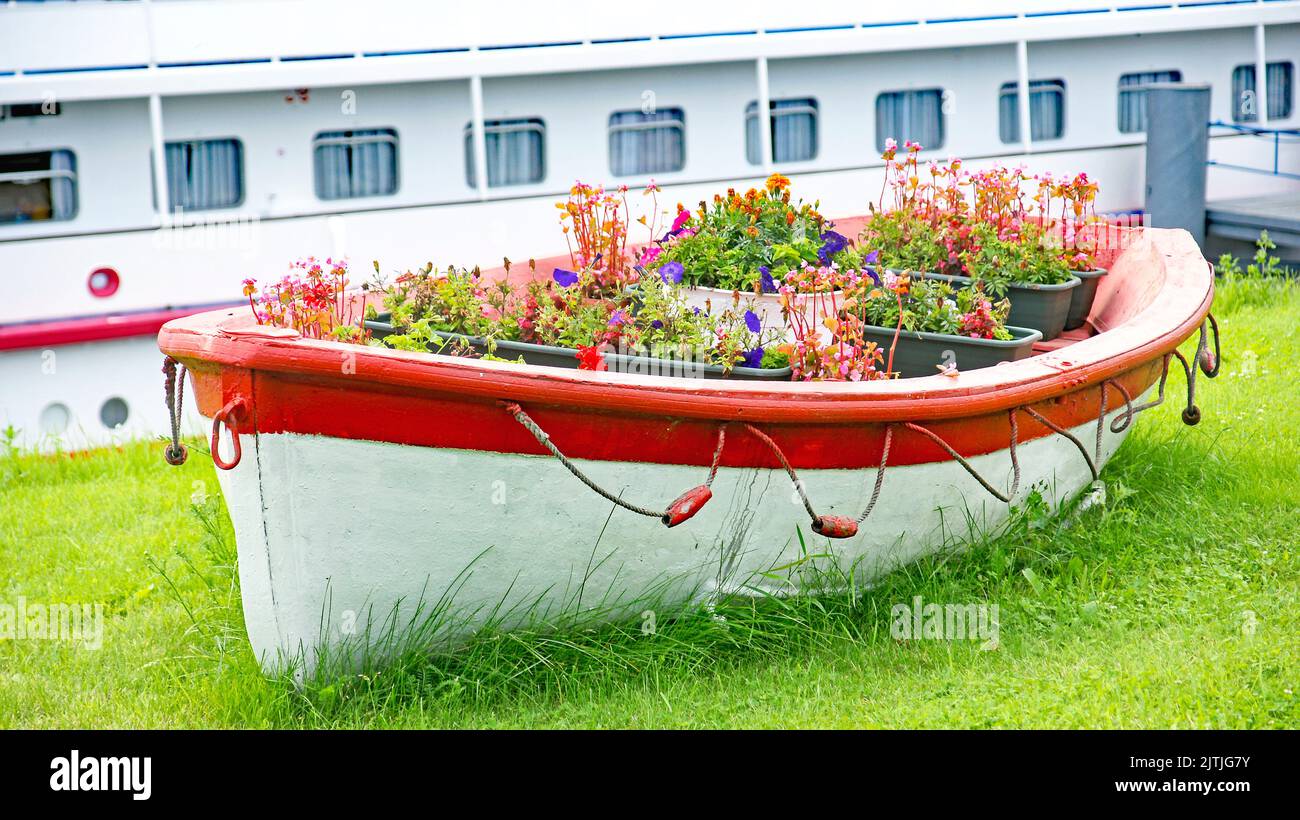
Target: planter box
1082 296
567 357
767 306
920 354
1041 307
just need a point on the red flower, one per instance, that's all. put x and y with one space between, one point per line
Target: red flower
590 358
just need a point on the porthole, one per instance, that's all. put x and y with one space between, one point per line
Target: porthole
103 282
55 419
113 413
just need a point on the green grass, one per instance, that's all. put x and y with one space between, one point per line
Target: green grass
1134 614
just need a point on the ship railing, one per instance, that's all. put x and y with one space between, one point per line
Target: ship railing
1278 137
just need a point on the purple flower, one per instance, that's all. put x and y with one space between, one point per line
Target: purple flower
754 358
753 322
657 324
564 278
672 273
872 258
832 243
874 277
618 318
765 275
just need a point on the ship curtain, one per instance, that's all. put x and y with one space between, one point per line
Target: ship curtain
204 174
63 185
910 115
1280 77
1046 111
351 164
794 131
516 152
1133 104
651 142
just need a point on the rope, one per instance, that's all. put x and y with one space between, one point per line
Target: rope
1015 461
1101 417
544 439
174 396
717 456
1120 423
1050 425
1214 325
780 456
880 474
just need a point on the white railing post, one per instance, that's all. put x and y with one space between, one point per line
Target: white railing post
478 136
1261 75
159 159
1022 85
764 114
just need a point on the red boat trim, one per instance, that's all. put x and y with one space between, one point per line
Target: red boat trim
55 332
1156 296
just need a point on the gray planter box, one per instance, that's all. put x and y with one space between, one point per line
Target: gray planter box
567 357
1081 297
1041 307
920 354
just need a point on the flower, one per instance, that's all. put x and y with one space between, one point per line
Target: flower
672 273
778 182
682 218
765 276
657 324
753 358
619 318
832 243
753 322
564 278
590 358
250 286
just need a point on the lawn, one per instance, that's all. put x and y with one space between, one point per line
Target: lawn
1175 604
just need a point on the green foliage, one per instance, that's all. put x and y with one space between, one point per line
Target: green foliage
934 306
1024 259
906 240
1263 282
725 243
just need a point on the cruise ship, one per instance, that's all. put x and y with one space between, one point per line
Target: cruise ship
153 154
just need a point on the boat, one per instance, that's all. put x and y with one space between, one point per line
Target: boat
206 137
368 485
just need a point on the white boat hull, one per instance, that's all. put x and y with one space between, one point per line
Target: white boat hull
340 538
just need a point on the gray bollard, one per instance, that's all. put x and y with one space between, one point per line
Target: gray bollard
1177 148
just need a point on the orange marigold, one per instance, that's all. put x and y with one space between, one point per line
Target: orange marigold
777 182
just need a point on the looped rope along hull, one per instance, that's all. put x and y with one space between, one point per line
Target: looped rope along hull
679 511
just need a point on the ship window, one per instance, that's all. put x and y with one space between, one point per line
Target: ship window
204 174
516 152
351 164
794 130
40 109
38 187
910 115
1133 104
1245 105
647 142
1046 110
